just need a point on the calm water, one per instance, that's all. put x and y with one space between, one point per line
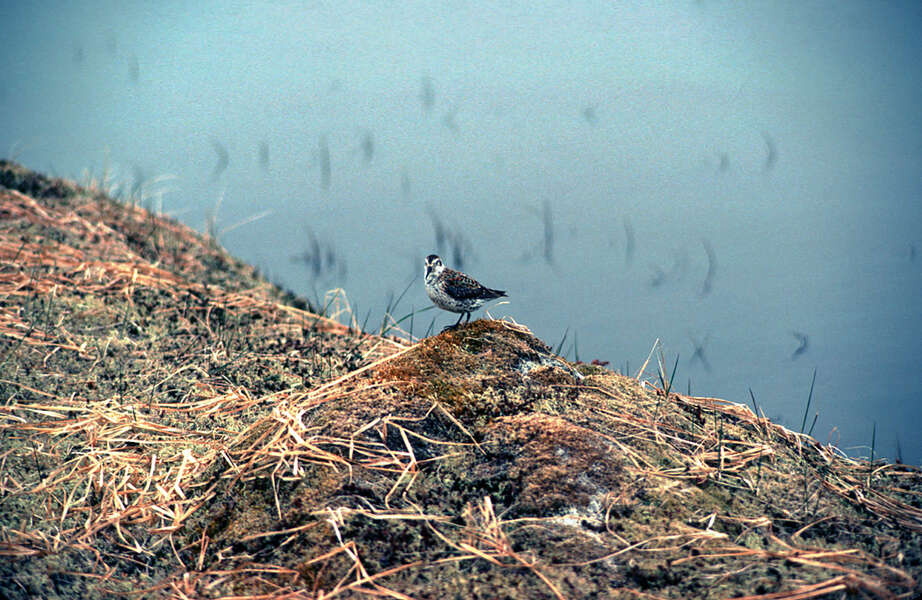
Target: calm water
719 176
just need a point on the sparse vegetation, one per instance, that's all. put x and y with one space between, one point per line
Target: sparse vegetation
173 426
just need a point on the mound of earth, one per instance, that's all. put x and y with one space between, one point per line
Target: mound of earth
173 426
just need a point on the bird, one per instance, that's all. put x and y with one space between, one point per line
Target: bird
454 291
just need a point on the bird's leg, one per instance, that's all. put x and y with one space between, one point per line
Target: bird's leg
455 326
468 320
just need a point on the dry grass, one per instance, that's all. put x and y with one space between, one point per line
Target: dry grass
171 426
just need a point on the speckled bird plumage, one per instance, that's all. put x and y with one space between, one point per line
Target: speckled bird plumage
454 291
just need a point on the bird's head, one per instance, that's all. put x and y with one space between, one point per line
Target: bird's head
433 265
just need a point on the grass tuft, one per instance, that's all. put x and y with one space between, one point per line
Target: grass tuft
803 424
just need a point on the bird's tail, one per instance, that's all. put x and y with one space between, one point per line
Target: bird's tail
496 293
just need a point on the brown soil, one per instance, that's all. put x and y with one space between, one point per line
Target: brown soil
171 425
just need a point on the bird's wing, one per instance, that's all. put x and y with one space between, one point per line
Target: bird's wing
459 285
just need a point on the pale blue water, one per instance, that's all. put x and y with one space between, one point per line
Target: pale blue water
606 113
